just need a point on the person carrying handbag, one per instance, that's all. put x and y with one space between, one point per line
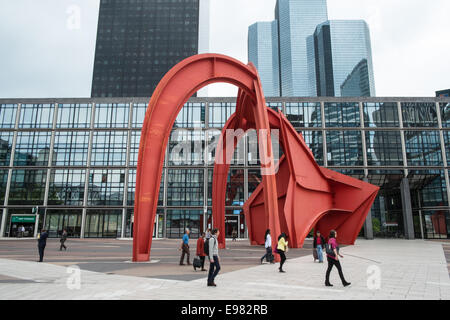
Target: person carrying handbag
282 249
201 250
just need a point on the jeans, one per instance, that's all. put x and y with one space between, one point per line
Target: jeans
319 252
214 268
333 262
268 254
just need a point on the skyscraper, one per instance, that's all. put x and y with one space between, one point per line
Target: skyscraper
263 53
340 45
297 20
138 41
357 83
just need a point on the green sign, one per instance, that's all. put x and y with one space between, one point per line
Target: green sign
23 219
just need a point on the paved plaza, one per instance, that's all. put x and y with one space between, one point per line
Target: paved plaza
100 269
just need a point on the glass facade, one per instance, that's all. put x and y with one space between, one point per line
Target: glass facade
139 41
77 160
264 54
342 49
297 20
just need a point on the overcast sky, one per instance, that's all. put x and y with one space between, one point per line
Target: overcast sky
46 51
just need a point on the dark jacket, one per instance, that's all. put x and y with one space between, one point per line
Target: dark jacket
322 239
42 241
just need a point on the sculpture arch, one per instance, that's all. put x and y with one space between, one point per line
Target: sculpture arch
297 197
176 87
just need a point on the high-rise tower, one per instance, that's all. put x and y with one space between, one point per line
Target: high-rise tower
138 41
297 20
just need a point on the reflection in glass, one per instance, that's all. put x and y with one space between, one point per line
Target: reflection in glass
70 148
27 187
66 187
36 116
219 113
423 148
384 148
419 114
380 115
342 114
304 115
344 148
74 115
7 115
106 187
6 141
185 187
109 148
32 148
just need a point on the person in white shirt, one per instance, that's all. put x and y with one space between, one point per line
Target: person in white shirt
268 245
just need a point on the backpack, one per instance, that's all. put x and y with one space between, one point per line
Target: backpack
206 247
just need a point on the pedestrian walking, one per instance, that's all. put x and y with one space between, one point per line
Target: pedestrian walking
282 248
201 250
213 256
185 247
318 244
234 235
42 242
333 255
63 240
268 245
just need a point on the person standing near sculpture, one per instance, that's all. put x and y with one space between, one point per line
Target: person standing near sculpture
282 248
333 259
185 247
318 244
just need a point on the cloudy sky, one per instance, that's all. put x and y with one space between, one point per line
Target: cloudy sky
47 46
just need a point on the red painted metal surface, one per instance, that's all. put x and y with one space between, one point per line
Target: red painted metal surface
177 86
296 198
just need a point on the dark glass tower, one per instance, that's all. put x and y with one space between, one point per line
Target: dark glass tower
138 41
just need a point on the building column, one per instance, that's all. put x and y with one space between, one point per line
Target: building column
407 209
368 226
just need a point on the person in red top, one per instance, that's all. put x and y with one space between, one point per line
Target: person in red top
333 259
201 249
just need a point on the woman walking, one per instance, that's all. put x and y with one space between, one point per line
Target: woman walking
282 249
333 259
268 245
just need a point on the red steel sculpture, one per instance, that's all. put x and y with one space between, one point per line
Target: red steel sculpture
295 196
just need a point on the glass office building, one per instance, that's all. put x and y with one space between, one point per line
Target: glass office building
297 20
71 163
340 46
263 53
138 41
357 83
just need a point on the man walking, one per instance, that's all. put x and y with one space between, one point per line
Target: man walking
63 240
42 242
214 260
185 247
